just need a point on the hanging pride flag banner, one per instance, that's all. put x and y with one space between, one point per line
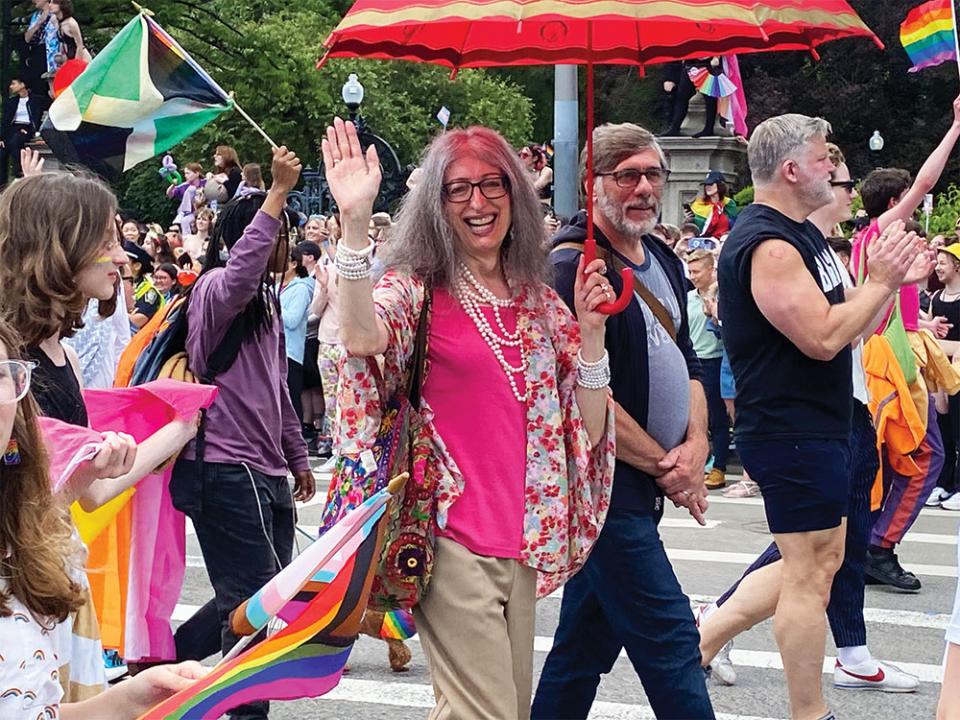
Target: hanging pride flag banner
929 34
141 95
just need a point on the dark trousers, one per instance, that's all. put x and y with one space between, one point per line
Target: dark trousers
15 139
626 596
242 518
717 416
295 386
845 610
950 433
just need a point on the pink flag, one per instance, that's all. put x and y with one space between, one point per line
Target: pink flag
158 537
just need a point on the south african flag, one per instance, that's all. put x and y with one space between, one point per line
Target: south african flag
139 97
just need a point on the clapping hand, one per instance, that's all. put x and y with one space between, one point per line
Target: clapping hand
352 175
892 255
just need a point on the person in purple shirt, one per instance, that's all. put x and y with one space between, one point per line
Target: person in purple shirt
237 493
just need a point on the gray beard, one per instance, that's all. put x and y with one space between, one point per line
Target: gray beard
615 216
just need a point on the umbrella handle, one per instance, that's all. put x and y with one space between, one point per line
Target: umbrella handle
626 295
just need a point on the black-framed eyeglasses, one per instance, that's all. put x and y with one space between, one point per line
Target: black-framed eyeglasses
15 380
630 177
848 185
491 188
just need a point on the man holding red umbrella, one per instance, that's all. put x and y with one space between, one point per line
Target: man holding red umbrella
627 595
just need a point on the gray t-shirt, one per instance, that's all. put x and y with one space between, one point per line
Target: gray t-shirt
668 411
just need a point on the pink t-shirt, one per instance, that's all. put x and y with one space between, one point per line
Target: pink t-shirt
483 426
909 295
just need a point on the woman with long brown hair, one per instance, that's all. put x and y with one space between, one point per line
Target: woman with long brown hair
39 565
59 248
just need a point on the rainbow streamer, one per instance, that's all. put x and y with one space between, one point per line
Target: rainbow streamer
718 86
398 625
928 34
305 658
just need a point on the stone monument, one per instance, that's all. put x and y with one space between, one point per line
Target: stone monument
690 159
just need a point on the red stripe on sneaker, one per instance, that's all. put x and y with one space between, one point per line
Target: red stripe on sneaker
876 677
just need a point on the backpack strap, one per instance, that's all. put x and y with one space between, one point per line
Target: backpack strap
656 307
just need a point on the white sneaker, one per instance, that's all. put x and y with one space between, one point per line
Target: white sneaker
721 667
329 465
936 497
952 502
882 676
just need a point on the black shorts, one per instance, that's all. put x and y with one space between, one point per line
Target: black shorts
311 370
805 483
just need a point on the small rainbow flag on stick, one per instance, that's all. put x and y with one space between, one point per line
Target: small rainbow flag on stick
929 34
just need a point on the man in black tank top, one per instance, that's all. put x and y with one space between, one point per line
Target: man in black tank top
788 326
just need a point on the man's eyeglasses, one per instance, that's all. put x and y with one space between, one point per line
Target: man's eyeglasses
701 243
15 380
630 178
491 188
126 278
848 185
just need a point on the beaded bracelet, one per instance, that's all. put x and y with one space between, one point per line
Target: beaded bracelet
595 375
352 268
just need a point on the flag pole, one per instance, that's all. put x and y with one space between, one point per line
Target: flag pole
243 113
956 38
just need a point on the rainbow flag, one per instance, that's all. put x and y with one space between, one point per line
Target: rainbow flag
928 34
323 609
140 96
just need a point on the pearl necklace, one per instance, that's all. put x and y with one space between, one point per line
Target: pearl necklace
473 296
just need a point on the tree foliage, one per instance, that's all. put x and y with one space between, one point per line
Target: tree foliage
265 51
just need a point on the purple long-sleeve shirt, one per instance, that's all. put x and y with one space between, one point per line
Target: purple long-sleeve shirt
252 420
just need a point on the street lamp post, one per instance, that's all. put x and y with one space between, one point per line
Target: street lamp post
393 174
875 143
352 94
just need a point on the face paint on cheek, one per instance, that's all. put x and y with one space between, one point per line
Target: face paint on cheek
104 260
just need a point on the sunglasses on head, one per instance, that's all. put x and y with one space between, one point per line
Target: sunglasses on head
701 243
847 185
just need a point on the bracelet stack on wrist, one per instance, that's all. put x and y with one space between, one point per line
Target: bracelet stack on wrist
353 264
593 375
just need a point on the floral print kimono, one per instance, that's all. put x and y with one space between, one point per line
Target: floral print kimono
568 482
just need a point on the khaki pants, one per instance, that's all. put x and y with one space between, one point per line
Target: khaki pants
476 626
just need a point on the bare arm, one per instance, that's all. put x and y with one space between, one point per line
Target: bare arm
319 301
928 175
789 297
151 454
354 180
634 446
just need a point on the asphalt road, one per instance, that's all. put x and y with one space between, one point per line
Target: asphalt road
904 629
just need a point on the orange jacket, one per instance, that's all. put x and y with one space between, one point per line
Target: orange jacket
900 426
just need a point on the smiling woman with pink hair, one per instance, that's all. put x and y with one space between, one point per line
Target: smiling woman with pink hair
515 400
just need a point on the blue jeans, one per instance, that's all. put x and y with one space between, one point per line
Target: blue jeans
626 596
717 416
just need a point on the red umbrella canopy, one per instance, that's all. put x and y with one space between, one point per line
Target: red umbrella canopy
480 33
483 33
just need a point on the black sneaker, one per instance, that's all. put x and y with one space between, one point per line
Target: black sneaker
883 566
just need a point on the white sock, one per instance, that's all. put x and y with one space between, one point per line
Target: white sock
855 656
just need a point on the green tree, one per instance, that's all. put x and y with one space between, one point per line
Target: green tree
266 52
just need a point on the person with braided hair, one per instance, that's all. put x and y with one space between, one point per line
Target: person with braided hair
232 482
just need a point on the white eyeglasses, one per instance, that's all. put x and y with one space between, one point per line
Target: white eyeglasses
15 380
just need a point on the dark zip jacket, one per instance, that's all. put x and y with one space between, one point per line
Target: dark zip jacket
626 342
